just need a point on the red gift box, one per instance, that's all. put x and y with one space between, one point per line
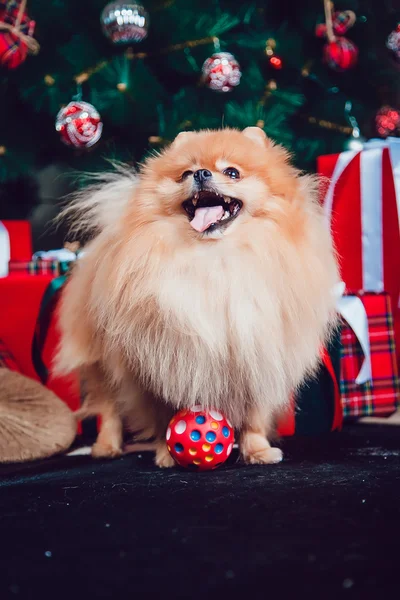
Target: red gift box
380 395
362 206
20 238
20 299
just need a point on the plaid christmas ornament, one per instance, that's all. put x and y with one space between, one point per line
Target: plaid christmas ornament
381 395
16 34
7 361
39 267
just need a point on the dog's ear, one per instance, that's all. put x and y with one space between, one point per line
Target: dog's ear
182 137
257 135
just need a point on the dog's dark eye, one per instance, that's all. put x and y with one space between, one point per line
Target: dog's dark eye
186 174
232 173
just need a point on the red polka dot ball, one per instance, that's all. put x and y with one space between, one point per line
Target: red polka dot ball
199 440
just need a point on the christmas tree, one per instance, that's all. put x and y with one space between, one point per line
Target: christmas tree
144 71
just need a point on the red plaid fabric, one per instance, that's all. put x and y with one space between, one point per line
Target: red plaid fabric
6 358
12 50
39 267
381 395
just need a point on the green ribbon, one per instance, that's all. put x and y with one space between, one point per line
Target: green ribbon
43 321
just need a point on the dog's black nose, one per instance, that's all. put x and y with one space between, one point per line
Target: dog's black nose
201 175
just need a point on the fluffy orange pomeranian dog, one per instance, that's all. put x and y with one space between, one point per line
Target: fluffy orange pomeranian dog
209 282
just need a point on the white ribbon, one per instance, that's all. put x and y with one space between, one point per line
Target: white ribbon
371 204
4 250
62 255
371 218
353 311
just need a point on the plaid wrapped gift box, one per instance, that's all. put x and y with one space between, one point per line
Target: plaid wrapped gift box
381 395
39 267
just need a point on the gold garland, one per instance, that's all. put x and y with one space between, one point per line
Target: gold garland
130 55
324 124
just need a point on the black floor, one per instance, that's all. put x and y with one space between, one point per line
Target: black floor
323 524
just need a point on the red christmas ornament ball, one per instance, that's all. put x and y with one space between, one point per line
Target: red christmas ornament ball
79 124
200 440
341 54
387 121
221 72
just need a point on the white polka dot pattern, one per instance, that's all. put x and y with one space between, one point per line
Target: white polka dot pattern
216 415
180 427
168 433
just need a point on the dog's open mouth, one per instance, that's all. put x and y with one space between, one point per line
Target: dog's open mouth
208 211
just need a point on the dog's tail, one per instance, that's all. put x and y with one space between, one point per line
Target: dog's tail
100 204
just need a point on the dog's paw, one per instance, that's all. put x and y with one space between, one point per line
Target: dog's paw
163 458
100 450
266 456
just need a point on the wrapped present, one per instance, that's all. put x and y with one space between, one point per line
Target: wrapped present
378 394
21 297
52 262
362 207
39 267
15 243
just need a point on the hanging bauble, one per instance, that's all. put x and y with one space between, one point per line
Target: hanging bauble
125 22
79 124
221 72
393 42
16 34
342 21
387 121
340 54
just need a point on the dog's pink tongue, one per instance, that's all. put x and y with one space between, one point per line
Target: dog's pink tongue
204 217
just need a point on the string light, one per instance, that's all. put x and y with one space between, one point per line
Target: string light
270 47
155 139
274 61
3 150
49 80
122 87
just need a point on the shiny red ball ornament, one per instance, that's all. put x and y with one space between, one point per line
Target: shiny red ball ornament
387 121
221 72
199 440
276 62
341 54
79 124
